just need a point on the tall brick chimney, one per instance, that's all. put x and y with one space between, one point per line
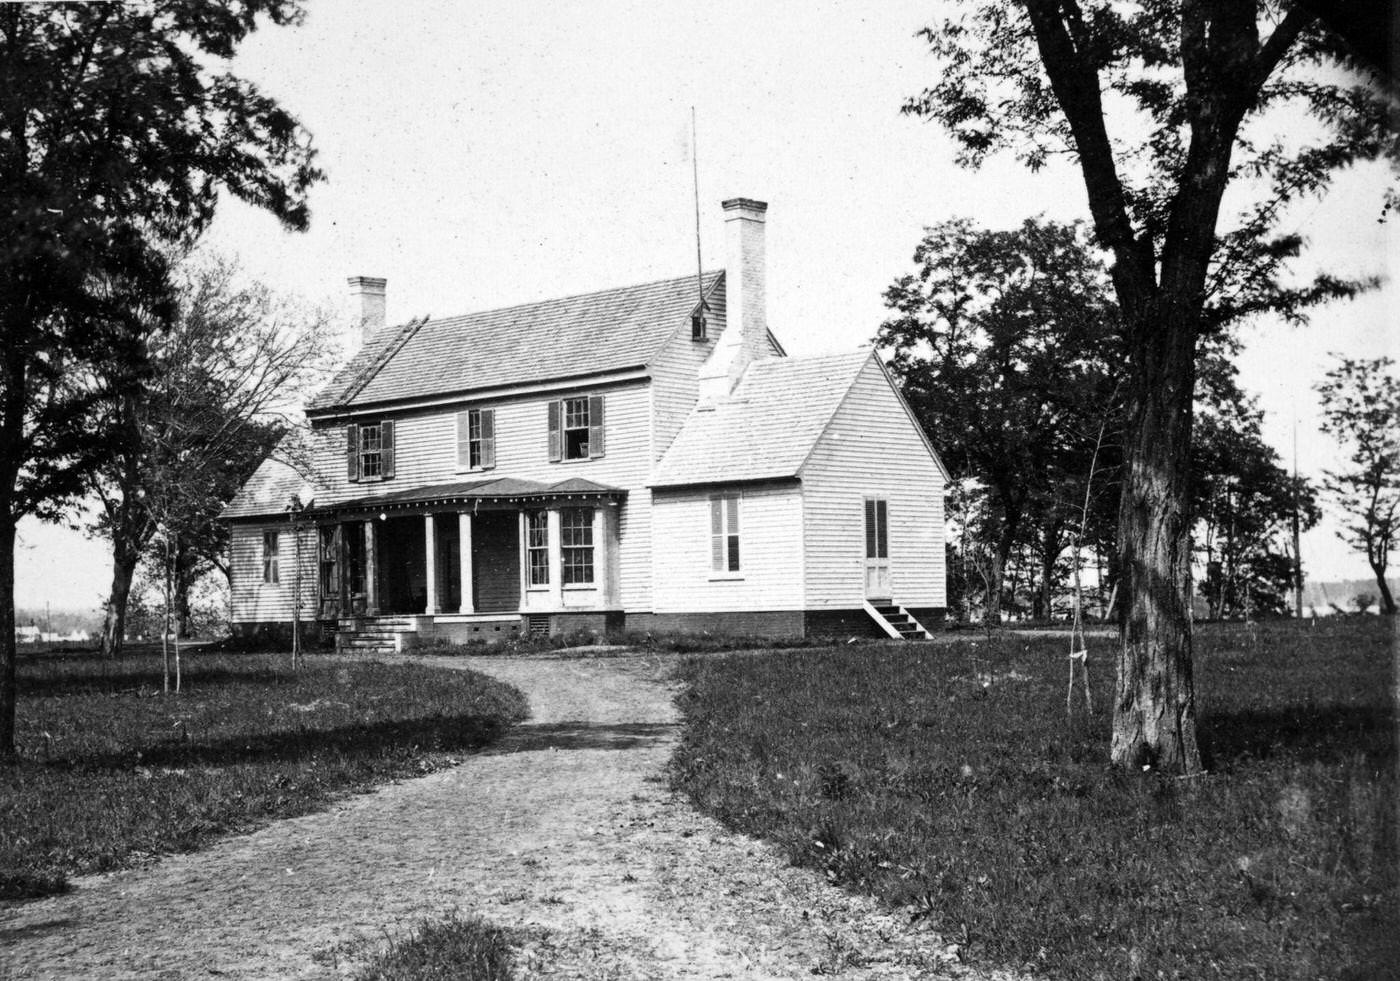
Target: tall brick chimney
368 312
745 336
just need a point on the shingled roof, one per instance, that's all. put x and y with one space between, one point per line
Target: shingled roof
572 336
768 426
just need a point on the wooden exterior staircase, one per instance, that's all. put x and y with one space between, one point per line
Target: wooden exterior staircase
897 622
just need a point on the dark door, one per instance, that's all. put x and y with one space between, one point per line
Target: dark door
496 561
403 566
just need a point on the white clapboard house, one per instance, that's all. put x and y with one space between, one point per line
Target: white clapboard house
627 460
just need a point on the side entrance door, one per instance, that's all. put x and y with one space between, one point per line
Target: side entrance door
877 549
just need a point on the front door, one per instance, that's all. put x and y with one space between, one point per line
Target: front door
877 549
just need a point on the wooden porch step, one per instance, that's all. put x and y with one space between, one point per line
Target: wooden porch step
896 621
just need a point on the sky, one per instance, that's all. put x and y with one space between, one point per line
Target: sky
485 154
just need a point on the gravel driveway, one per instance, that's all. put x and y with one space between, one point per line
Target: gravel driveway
566 829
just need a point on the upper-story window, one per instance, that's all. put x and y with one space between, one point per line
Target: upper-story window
576 428
476 439
369 450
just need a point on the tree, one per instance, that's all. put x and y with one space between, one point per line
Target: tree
1361 407
1243 500
225 376
118 130
1003 344
1189 86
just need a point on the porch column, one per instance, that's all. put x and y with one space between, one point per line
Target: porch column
556 558
371 571
430 561
464 552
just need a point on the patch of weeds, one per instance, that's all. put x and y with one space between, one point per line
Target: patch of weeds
451 948
948 783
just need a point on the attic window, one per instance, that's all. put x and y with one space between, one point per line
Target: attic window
697 324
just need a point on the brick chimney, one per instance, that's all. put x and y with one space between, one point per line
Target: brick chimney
367 314
745 336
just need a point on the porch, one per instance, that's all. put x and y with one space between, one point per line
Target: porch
467 561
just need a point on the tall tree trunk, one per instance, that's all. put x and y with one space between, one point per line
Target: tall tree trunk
1154 722
1387 600
1050 545
8 688
114 622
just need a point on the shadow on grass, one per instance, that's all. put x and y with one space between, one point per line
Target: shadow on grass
583 735
1326 733
441 733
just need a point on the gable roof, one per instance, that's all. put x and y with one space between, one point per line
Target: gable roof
766 429
573 336
282 473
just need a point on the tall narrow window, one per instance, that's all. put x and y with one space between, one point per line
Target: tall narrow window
270 546
724 533
371 446
576 545
537 546
576 429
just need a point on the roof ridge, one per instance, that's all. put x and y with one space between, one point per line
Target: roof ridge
577 296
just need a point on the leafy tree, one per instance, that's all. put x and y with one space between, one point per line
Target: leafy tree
1003 344
1244 501
119 126
1361 407
226 372
1189 87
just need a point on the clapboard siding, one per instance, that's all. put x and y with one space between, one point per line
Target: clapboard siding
256 601
675 385
872 449
770 548
425 449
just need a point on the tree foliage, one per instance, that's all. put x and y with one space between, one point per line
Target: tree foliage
1361 410
226 375
119 127
1162 105
1004 344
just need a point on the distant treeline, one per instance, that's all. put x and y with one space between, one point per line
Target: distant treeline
61 621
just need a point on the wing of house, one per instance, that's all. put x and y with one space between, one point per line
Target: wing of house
634 459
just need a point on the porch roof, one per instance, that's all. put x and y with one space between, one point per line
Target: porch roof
499 490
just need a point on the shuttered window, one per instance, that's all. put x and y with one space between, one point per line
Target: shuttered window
476 439
270 548
369 450
576 430
576 545
724 533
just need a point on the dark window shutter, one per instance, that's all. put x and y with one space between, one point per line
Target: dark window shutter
882 513
488 438
464 454
870 549
556 442
386 450
595 425
352 452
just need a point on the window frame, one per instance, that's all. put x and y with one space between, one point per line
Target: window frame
726 535
575 555
271 554
565 428
534 551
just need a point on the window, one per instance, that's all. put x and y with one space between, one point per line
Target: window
369 450
476 439
576 545
576 428
724 533
270 543
537 546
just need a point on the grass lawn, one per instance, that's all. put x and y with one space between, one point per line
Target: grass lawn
449 949
113 771
946 780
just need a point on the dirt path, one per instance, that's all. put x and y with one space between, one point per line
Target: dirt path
566 829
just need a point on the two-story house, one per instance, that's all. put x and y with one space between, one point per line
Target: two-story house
644 458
